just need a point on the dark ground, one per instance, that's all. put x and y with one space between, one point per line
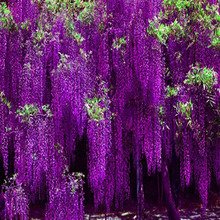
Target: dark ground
189 210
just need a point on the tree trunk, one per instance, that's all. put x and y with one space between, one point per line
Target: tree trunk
173 213
140 189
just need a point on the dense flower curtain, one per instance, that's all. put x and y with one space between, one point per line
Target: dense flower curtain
69 68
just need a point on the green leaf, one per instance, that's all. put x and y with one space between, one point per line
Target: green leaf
7 11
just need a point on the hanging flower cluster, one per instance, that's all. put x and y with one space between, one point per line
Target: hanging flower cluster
16 202
99 137
67 67
66 199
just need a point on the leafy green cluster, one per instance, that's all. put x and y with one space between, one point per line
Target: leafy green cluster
63 62
43 33
85 55
162 116
185 109
94 110
85 9
8 128
25 25
78 38
72 32
102 16
53 7
4 100
48 112
58 147
118 42
76 10
94 106
193 18
65 10
172 91
6 19
39 35
29 111
27 66
163 31
202 76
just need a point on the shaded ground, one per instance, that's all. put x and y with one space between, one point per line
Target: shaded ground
158 215
154 214
190 210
